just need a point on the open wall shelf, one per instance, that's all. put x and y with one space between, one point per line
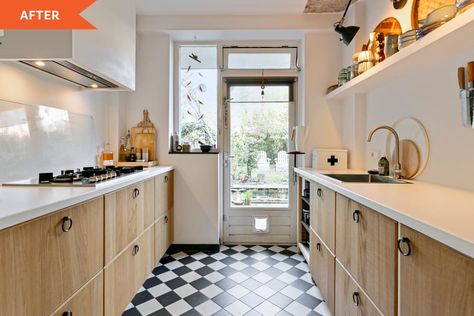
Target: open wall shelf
303 229
451 38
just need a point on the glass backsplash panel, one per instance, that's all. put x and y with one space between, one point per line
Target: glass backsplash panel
38 138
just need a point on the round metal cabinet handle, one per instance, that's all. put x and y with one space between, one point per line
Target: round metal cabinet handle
167 179
319 192
356 298
318 246
67 313
356 216
66 224
404 246
135 250
166 219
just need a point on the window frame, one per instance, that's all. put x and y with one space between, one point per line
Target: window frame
292 50
224 74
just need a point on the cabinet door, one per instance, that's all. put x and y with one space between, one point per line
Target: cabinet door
322 269
163 235
164 193
434 279
44 261
88 301
124 218
366 247
350 300
124 276
322 213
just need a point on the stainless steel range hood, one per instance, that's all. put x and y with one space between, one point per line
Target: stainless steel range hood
70 72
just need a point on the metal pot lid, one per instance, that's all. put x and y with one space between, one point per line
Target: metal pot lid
399 4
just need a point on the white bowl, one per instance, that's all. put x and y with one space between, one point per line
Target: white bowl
442 14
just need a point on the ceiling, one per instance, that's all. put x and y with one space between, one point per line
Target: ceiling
324 6
237 7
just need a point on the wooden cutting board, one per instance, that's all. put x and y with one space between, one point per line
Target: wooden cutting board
144 136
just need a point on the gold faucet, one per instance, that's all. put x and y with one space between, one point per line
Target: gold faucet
397 168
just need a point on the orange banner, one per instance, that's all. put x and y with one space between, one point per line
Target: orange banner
44 15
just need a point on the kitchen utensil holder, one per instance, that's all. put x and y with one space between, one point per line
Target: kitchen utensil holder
467 108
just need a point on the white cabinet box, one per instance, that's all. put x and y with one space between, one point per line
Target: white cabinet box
103 58
329 159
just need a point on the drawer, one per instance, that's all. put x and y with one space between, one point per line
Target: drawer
322 269
163 235
126 217
429 267
350 300
124 276
322 214
46 260
164 193
88 301
366 247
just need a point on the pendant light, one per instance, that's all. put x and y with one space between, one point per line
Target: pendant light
347 33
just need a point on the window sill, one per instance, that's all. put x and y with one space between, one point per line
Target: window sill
212 152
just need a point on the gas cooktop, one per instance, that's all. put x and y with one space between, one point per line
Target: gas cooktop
87 177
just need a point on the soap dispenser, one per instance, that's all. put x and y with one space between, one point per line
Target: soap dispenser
384 166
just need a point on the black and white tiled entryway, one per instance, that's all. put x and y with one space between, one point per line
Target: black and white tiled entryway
238 280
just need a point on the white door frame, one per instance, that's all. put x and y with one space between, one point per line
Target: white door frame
285 216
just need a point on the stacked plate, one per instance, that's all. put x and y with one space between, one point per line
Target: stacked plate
407 38
428 28
464 5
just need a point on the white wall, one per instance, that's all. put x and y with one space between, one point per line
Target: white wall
196 187
21 83
430 94
322 57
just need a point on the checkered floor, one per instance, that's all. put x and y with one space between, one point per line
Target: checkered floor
238 280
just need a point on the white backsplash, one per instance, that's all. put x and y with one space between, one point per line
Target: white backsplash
38 138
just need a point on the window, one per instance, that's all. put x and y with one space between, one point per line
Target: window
197 94
261 58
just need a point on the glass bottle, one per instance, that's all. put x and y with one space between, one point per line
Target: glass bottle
107 156
133 156
123 153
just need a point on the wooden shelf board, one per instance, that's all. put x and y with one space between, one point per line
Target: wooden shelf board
305 199
305 226
449 39
304 251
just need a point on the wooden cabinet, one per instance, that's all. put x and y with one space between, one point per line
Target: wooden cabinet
322 215
46 260
163 235
434 279
127 272
128 212
87 301
322 268
366 247
350 300
164 193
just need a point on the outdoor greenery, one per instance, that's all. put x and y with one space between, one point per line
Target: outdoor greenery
258 131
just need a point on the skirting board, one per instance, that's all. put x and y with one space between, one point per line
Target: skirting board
193 248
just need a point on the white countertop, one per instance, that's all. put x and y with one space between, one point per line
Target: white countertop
442 213
20 204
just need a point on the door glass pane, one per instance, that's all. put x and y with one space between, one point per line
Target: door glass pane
259 143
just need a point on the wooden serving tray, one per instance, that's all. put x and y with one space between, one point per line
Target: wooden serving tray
145 164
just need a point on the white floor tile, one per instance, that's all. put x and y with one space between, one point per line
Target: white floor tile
237 308
291 292
149 307
264 291
211 291
296 308
208 308
267 309
159 290
185 290
238 291
178 308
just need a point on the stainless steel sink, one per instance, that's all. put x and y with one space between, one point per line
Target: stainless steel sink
365 178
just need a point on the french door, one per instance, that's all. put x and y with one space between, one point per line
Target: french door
258 115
